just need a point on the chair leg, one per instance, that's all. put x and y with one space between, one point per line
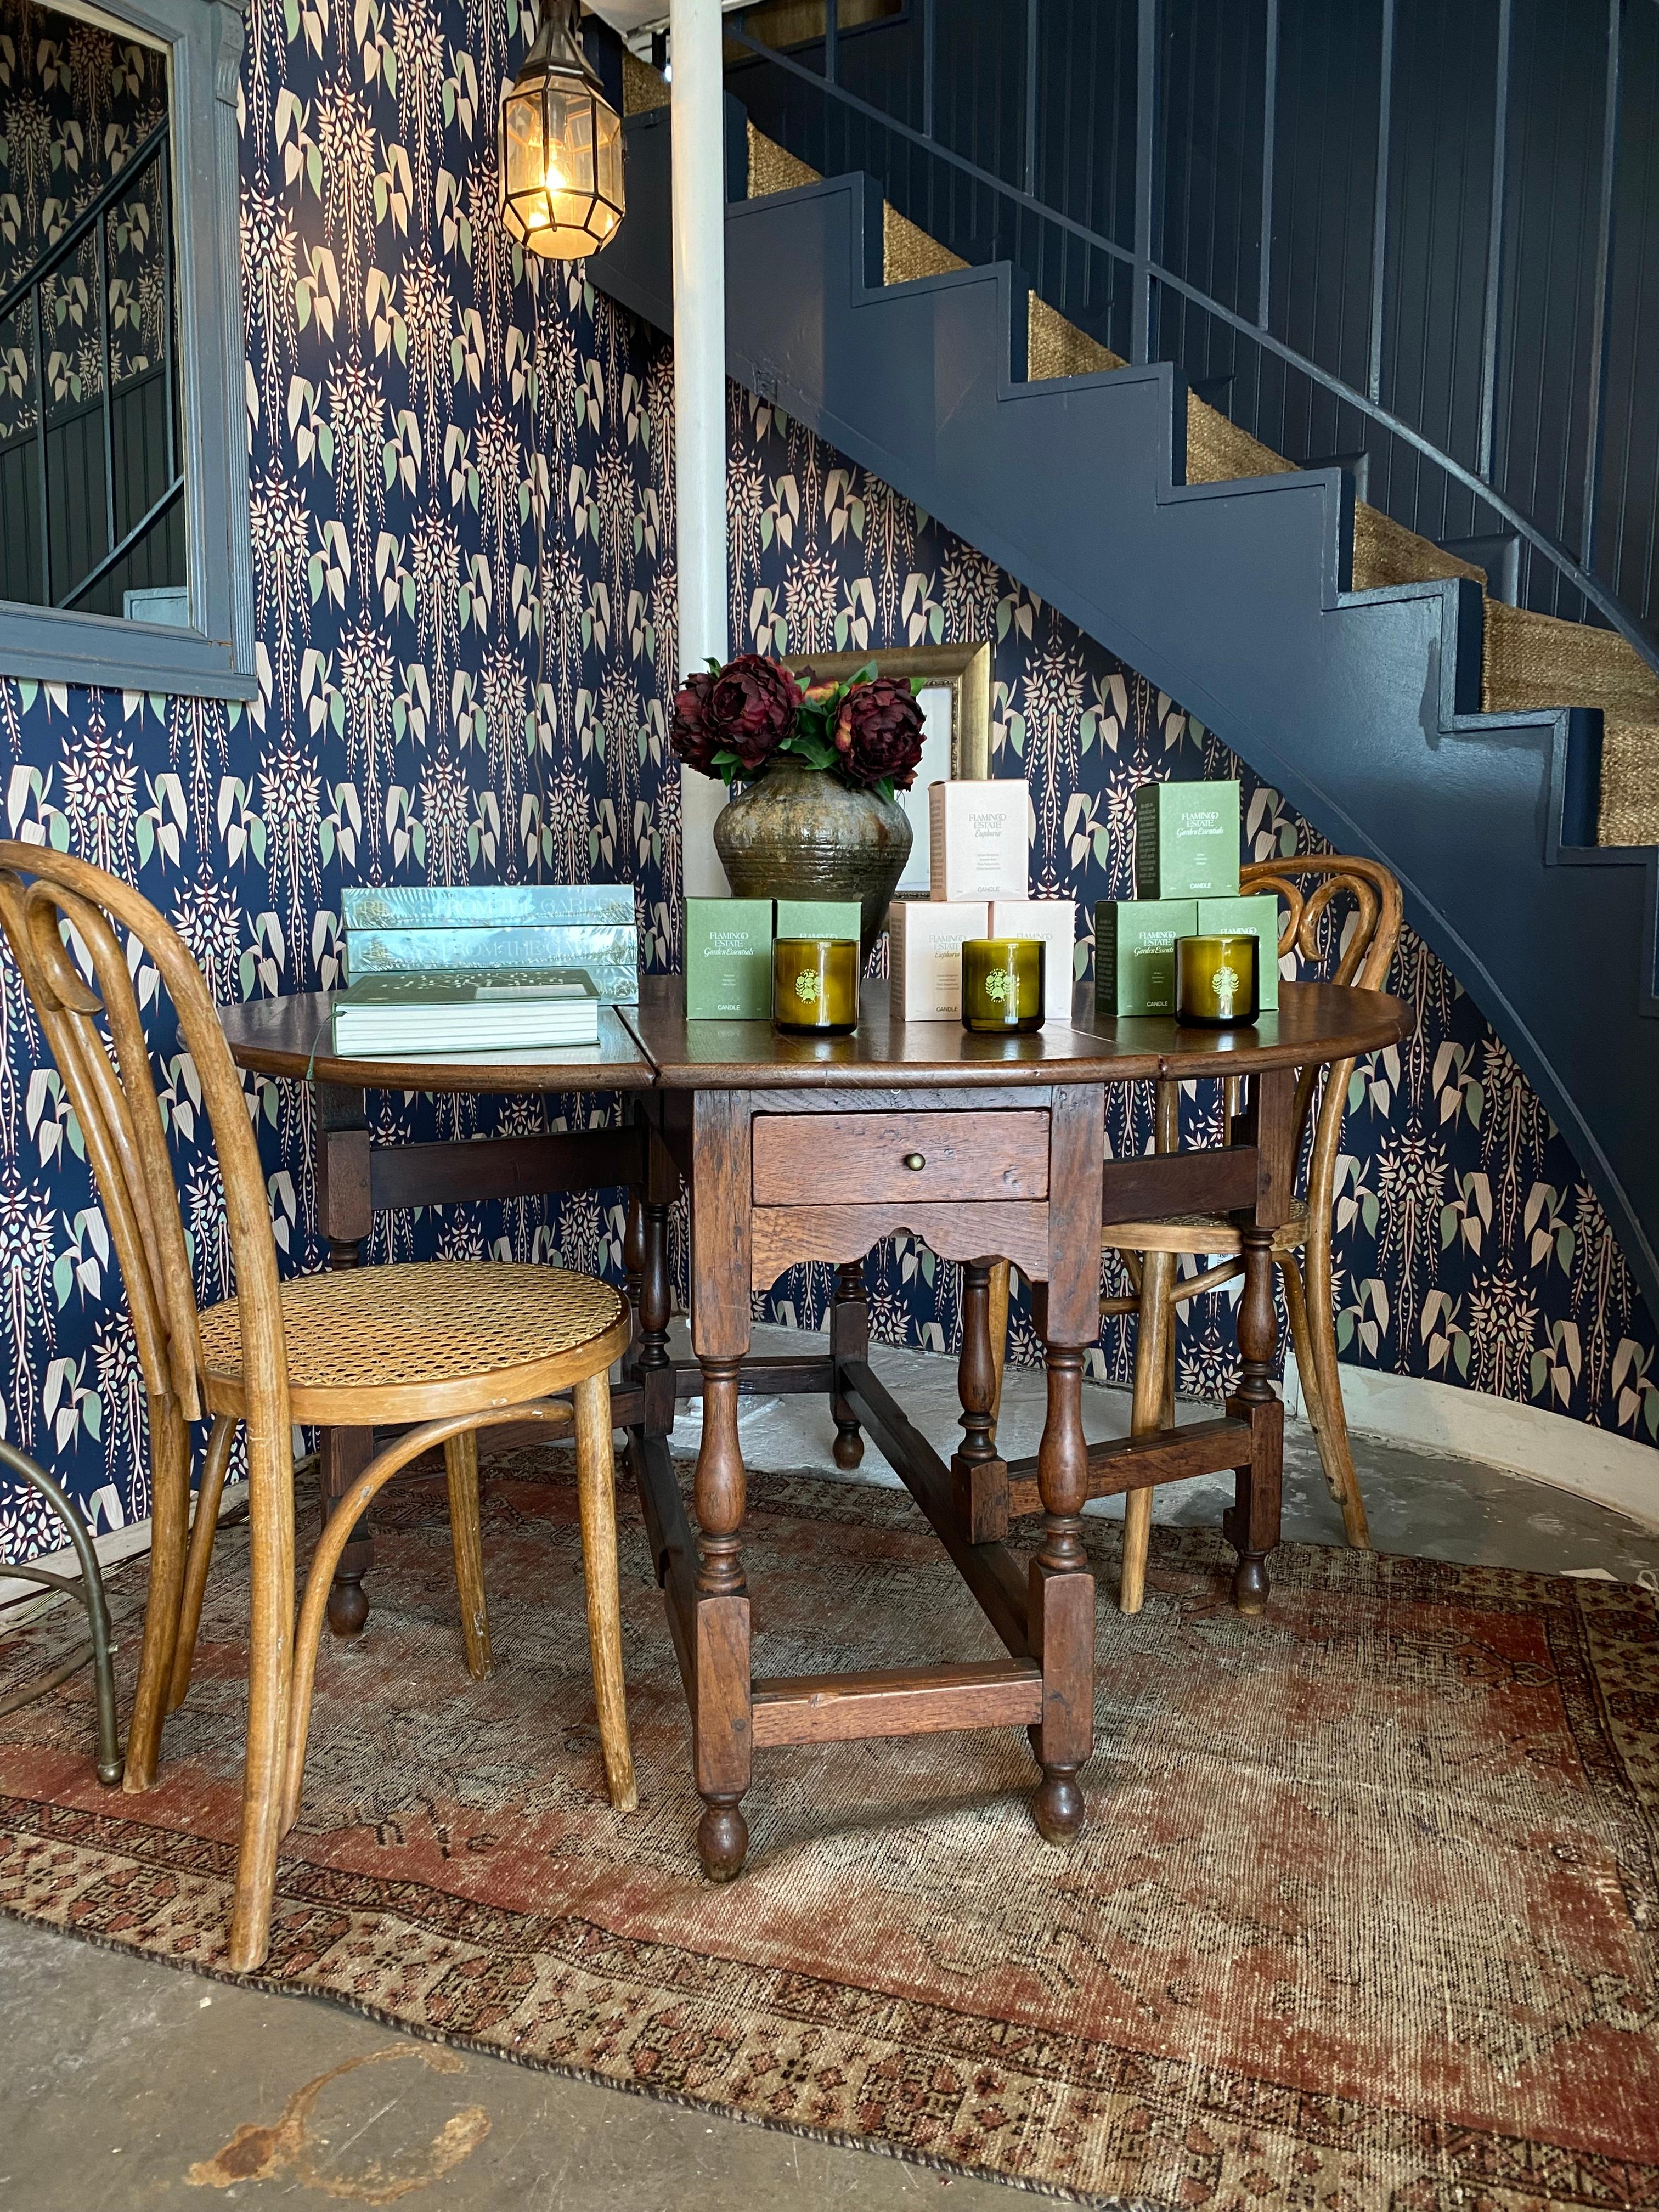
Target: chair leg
461 1465
214 1467
1000 1284
270 1666
1154 1329
169 1463
596 1486
1313 1332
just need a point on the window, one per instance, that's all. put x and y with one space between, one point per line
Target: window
124 542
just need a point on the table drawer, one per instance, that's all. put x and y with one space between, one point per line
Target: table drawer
825 1159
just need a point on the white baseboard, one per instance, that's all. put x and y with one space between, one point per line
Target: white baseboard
20 1602
1615 1471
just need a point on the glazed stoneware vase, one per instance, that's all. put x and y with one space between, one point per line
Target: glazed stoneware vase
799 834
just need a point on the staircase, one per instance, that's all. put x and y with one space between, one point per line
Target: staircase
1505 764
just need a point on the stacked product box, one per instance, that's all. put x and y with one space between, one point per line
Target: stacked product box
1186 858
979 885
728 949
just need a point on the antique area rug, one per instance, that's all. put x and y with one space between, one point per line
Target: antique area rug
1366 1913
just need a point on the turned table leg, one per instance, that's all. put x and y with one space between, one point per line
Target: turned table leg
1060 1605
723 1741
979 1475
849 1339
1252 1525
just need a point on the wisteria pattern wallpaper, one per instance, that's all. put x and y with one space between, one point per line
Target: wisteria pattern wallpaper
463 536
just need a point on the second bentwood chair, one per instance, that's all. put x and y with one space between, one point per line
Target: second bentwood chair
1343 920
453 1346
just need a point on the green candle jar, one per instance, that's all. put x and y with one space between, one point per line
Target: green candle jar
1002 980
1216 981
815 985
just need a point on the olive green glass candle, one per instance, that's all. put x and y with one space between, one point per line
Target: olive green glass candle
815 985
1215 983
1002 980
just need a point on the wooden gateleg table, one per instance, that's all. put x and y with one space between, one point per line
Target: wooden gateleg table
797 1149
800 1149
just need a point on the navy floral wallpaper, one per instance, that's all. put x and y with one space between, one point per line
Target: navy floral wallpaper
463 530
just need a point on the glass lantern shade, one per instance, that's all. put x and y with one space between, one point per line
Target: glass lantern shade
561 146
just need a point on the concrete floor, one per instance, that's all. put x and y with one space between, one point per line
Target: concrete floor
128 2084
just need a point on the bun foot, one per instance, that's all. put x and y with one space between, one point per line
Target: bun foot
849 1448
722 1840
348 1608
1250 1584
1057 1806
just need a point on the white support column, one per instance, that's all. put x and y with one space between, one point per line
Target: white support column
699 392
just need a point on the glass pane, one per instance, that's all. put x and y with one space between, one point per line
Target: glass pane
22 575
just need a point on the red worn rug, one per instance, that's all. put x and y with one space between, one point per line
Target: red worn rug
1366 1914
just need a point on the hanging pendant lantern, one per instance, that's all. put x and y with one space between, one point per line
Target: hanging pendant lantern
560 149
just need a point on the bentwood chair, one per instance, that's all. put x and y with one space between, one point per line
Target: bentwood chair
1343 920
452 1347
88 1591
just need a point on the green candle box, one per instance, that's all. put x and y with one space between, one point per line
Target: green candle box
832 918
1256 917
728 959
1134 953
1186 841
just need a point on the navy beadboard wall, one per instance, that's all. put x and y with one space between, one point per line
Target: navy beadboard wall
462 531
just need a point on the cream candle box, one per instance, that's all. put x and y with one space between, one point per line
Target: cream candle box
833 918
924 960
728 959
976 839
1055 921
1255 917
1186 841
1134 953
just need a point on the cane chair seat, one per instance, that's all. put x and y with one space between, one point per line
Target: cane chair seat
421 1340
1213 1236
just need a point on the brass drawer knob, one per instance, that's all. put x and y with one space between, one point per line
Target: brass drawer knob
914 1160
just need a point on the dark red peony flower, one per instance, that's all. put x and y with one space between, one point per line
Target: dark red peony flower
752 707
747 708
691 737
878 733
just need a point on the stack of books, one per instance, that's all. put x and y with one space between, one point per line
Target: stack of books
458 1012
520 926
443 973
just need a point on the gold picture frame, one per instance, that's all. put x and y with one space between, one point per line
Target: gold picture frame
964 671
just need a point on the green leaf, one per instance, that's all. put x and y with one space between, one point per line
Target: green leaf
92 1413
1461 1353
63 1278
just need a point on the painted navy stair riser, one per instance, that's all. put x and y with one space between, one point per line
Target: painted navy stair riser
1231 597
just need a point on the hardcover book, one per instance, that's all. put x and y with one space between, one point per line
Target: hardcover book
485 906
1186 841
609 952
1255 917
451 1011
1134 953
